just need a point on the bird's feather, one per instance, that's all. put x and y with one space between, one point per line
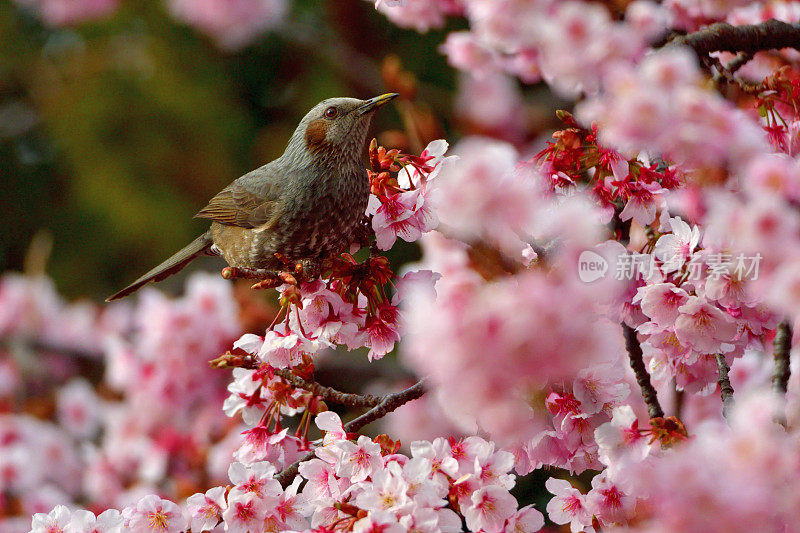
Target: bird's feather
238 205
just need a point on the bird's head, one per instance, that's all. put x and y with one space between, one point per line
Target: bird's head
338 125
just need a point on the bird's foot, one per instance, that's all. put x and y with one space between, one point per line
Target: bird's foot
303 270
269 279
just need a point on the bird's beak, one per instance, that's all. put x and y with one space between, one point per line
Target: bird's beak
374 103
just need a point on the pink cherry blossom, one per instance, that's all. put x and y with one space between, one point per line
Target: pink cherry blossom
284 348
464 51
621 438
527 520
661 301
292 507
421 15
703 326
79 408
205 510
256 479
388 491
382 332
642 203
109 521
608 502
378 522
491 507
676 248
232 23
568 506
56 521
245 513
152 514
356 461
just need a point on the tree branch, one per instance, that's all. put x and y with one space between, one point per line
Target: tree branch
725 388
642 377
327 393
388 403
748 38
781 347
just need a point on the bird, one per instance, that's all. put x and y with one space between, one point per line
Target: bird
301 208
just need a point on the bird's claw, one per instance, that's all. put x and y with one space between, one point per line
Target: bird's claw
242 273
276 279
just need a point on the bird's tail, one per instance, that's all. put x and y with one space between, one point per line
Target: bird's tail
197 247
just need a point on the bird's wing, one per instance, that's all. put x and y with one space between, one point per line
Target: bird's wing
239 204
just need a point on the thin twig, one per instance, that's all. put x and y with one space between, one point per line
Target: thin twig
741 59
642 377
781 347
725 387
724 74
327 393
388 403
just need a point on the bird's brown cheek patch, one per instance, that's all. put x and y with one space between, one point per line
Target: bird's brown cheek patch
316 134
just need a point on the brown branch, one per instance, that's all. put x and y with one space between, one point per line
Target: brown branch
642 377
781 347
748 38
388 403
327 393
725 387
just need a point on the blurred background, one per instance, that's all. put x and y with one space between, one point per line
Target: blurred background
119 119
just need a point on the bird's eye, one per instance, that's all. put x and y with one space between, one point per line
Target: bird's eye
331 112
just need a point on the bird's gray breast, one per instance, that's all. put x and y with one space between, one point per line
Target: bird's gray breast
321 216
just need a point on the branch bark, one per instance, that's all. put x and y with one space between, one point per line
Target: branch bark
725 387
327 393
781 347
388 403
748 38
642 377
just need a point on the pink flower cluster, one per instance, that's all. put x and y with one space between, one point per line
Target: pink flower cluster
32 309
576 413
570 44
350 486
507 343
322 315
744 473
155 416
692 303
631 189
483 195
231 23
492 105
660 107
422 15
402 206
